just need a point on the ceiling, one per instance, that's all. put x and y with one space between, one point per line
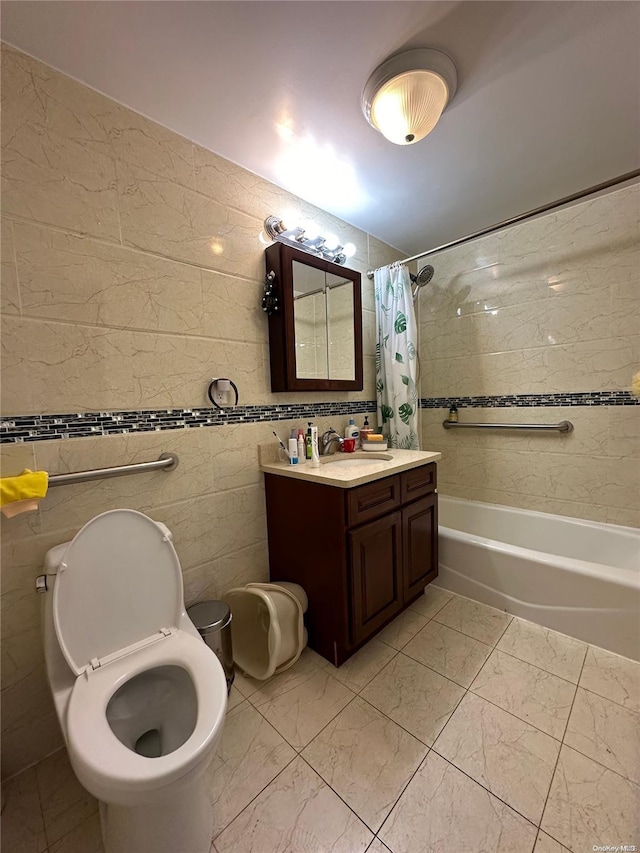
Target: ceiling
548 99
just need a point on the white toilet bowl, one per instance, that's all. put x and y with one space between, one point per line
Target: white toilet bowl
140 698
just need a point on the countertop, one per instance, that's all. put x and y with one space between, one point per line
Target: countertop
336 470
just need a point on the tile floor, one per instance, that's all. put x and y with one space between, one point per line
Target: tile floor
457 728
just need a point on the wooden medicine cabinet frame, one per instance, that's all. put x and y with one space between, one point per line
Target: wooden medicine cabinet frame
282 343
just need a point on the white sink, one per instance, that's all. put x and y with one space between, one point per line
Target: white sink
346 460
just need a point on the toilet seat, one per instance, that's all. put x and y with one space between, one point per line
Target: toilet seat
118 586
95 751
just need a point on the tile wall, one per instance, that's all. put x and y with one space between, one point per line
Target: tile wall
549 307
131 274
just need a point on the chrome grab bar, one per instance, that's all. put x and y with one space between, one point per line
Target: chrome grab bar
563 426
167 462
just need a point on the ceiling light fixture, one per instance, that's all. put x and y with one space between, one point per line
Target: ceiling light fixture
328 247
406 95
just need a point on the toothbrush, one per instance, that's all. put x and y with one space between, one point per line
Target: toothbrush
281 443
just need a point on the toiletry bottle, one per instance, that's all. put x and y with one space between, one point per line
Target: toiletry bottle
293 451
315 456
453 413
309 449
366 430
302 449
352 431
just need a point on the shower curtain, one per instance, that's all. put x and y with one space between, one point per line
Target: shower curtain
396 351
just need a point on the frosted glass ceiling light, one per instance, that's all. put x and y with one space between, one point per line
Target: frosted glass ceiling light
406 95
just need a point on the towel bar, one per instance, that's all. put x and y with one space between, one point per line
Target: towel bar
563 426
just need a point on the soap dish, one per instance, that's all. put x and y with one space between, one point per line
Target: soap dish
374 445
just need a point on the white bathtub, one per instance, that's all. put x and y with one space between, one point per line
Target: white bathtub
577 577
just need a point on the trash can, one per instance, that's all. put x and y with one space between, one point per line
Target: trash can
213 621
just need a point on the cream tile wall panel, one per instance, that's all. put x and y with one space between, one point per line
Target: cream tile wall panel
53 367
208 527
234 452
72 506
232 309
609 481
624 432
625 517
26 711
171 370
625 306
22 561
108 369
214 578
571 509
238 188
24 745
369 333
9 293
579 318
60 105
591 434
590 366
65 277
59 182
21 653
174 221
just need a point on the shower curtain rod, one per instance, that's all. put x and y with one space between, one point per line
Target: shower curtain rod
621 179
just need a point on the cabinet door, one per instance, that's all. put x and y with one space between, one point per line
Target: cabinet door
375 551
420 545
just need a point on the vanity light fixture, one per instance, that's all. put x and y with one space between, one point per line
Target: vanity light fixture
328 247
406 95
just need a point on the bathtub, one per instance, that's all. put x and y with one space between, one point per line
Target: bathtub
578 577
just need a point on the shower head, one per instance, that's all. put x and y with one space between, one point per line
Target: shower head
424 277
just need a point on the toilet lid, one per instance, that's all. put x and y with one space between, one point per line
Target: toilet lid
119 582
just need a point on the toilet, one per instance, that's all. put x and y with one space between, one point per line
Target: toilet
140 697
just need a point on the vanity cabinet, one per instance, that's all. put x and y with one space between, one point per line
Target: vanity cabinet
362 554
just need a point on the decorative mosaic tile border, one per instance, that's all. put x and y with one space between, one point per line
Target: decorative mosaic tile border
23 428
580 398
87 424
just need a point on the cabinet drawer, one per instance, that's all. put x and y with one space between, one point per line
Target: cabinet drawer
418 482
364 503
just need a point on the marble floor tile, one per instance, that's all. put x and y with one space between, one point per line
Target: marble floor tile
22 822
533 694
606 732
63 800
417 698
434 599
590 805
403 628
483 623
449 652
506 755
296 813
367 759
304 710
307 665
250 754
235 699
546 844
613 677
542 647
442 809
367 662
378 847
86 837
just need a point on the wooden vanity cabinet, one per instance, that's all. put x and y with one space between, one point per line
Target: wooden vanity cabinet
362 554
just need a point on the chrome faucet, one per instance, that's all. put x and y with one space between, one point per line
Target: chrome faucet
327 439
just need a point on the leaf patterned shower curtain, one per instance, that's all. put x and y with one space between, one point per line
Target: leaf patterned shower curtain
396 351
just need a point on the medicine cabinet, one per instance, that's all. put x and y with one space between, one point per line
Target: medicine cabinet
315 335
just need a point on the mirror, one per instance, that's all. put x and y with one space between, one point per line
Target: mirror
316 335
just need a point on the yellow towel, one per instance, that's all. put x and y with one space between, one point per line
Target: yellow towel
22 493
